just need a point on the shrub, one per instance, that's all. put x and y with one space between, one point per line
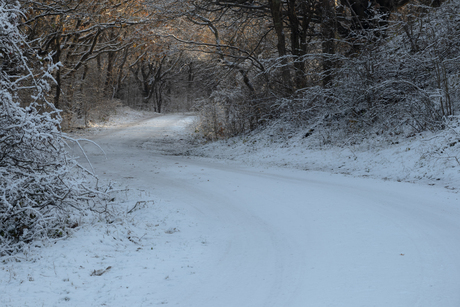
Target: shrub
42 189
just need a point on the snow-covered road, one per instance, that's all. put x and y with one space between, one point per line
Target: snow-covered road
224 234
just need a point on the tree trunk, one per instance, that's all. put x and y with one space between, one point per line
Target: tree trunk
276 11
120 73
108 91
328 46
296 44
189 82
56 59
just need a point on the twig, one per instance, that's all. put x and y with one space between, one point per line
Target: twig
100 272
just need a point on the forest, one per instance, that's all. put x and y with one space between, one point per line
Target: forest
361 68
382 64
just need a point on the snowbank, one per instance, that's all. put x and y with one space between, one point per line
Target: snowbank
427 158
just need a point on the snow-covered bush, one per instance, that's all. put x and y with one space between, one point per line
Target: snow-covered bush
41 187
226 113
404 82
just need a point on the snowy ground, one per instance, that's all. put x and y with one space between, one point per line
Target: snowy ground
424 158
197 231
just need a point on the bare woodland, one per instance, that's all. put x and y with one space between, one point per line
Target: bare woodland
359 67
246 62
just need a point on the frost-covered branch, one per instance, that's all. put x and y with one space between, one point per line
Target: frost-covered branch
42 189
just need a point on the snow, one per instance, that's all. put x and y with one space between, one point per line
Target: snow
246 225
424 158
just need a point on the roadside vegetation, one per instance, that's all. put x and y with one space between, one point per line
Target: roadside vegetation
43 191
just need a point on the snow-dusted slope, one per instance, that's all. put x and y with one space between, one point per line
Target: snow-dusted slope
426 158
221 233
